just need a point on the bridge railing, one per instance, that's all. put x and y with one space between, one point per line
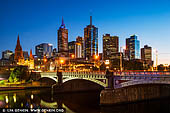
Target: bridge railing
151 73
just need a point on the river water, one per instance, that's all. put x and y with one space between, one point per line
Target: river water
84 102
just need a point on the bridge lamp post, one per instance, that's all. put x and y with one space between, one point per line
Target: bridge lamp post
96 57
72 56
121 67
61 62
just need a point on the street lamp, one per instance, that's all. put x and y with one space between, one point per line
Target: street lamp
61 62
121 57
96 57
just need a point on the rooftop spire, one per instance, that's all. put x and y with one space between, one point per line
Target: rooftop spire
62 25
62 21
90 20
18 41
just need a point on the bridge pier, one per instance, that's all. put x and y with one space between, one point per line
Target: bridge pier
134 93
110 79
60 77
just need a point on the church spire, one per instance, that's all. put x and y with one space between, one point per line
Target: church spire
18 41
31 56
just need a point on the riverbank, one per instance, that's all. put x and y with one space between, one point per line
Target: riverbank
33 85
135 93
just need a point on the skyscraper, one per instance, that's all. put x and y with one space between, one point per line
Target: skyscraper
132 48
63 40
90 40
44 49
110 46
146 53
19 58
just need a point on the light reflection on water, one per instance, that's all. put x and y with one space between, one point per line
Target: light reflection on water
85 102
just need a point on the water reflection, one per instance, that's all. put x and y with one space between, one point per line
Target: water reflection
85 102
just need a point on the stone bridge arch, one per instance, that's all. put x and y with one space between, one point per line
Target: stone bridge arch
48 80
140 82
73 85
88 79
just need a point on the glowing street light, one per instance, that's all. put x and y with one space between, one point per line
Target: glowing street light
61 61
72 56
96 57
107 62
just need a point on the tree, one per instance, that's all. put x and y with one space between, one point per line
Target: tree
19 73
161 67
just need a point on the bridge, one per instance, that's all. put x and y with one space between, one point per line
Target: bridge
117 87
109 79
76 80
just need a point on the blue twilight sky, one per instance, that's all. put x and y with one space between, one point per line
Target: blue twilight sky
37 22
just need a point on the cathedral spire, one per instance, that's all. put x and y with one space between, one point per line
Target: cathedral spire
31 56
18 41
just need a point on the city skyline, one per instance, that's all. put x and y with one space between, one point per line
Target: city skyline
150 24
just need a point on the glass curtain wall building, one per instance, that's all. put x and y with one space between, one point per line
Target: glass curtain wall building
132 48
90 40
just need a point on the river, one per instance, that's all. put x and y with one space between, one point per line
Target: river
84 102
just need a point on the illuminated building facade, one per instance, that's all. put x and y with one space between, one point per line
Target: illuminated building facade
63 40
132 48
110 46
31 60
44 49
80 50
90 40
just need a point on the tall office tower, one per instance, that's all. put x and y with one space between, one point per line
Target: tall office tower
132 48
146 53
63 40
19 58
110 46
6 54
71 47
44 49
90 40
80 42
